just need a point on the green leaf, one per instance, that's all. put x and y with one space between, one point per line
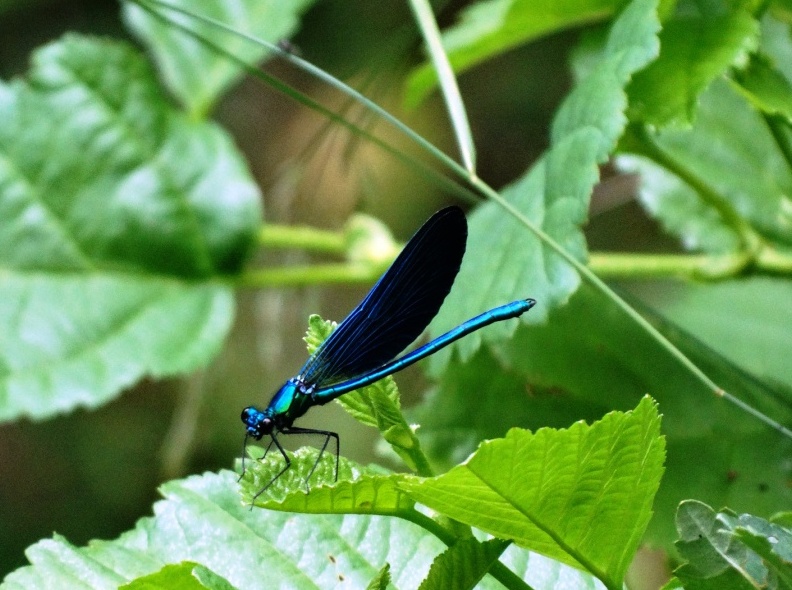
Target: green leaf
115 211
673 584
766 87
679 209
74 340
725 148
773 544
463 564
99 173
370 491
183 576
491 27
318 331
358 490
725 550
543 573
775 43
196 74
377 405
202 520
695 50
504 261
582 496
381 580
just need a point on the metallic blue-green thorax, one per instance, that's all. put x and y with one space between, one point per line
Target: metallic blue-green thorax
291 401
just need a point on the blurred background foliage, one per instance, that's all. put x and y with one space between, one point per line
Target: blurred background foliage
92 473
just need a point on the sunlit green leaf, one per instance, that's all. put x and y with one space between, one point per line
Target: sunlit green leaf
357 491
203 520
318 331
582 496
376 405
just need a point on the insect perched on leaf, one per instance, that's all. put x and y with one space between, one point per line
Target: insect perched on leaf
362 348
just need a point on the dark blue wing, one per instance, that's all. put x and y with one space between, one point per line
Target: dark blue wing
399 307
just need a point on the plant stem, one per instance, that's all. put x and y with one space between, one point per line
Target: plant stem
696 266
305 238
422 10
775 261
640 266
422 465
609 265
298 276
180 440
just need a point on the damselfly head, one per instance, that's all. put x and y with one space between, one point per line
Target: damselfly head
257 423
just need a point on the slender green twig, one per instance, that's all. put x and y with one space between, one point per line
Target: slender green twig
605 265
693 266
422 465
296 276
422 10
304 238
775 261
180 440
641 266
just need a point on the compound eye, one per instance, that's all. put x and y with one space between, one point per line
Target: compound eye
248 414
266 426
